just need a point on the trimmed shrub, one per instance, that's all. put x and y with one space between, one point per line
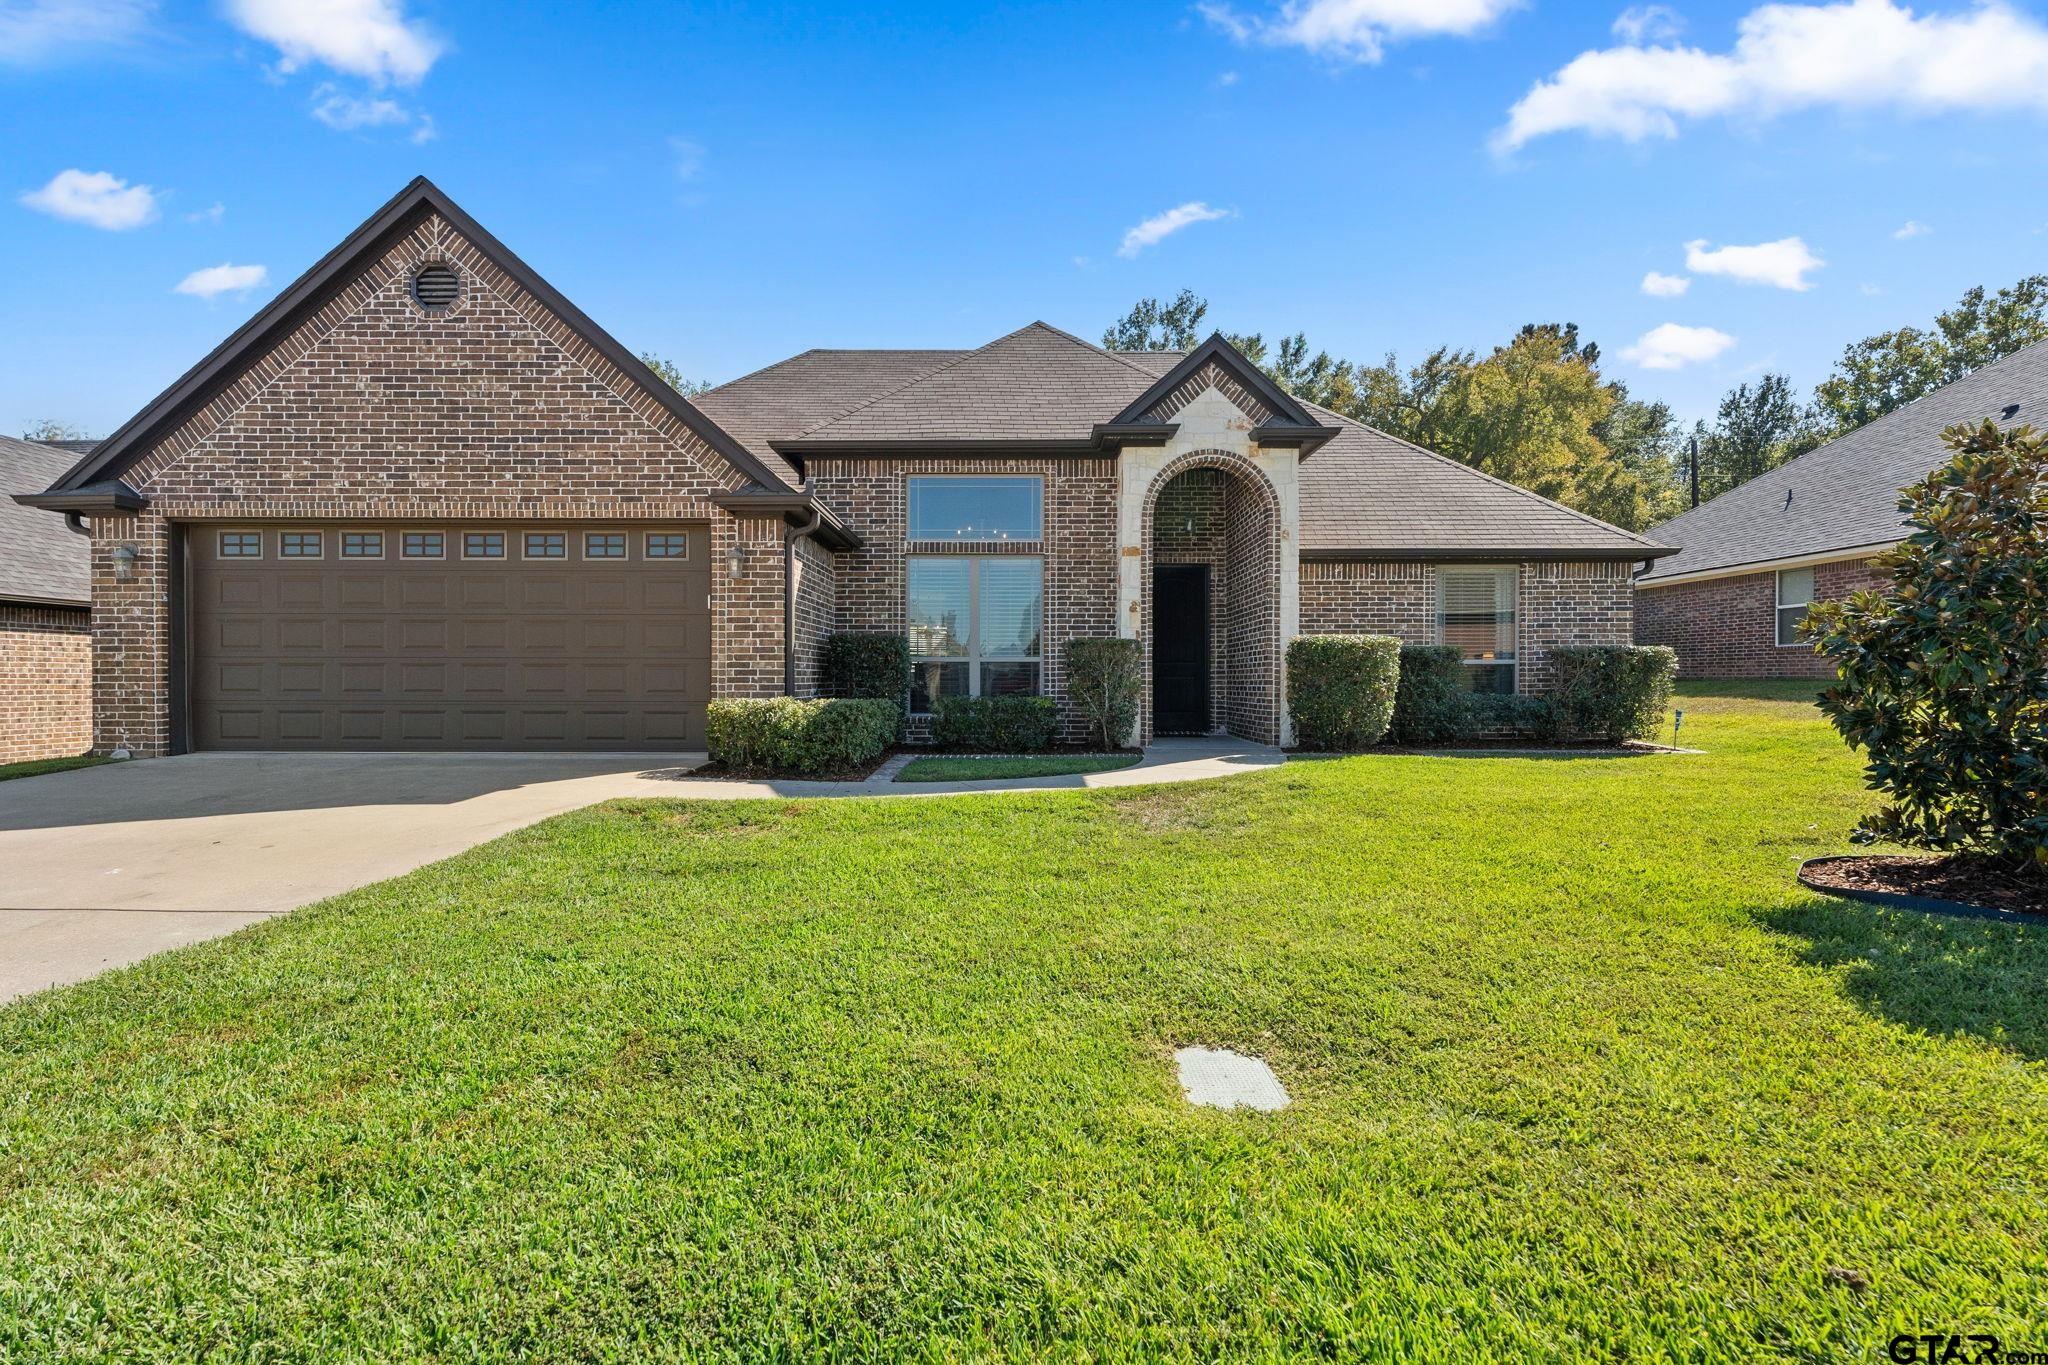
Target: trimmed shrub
995 725
788 735
1942 675
859 663
1433 698
1511 715
1611 692
1103 678
1340 689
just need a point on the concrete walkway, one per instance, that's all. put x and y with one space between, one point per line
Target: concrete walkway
100 867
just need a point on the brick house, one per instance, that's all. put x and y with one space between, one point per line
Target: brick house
45 647
422 501
1750 562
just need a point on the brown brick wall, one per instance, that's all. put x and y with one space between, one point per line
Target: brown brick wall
1079 547
817 607
374 408
1191 526
1559 604
1727 627
45 682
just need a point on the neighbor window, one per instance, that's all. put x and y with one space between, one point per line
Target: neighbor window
241 545
975 627
1795 597
970 509
298 544
668 545
1476 612
547 545
362 544
483 544
423 545
604 545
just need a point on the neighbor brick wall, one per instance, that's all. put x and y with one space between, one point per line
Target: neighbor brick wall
1559 603
1727 627
817 605
373 408
1079 547
45 682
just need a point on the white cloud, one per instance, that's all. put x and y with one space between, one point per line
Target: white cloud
1913 228
31 30
372 39
96 198
1227 79
1783 264
340 110
1163 225
1661 286
1674 346
1851 54
1648 24
212 215
1355 30
216 280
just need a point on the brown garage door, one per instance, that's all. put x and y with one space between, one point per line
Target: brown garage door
324 636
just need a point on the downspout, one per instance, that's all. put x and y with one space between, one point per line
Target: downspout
76 521
789 539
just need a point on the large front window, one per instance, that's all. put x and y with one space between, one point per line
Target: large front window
970 508
975 626
1476 612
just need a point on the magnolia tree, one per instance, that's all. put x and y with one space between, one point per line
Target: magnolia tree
1943 675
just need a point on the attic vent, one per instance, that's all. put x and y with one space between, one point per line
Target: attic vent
435 287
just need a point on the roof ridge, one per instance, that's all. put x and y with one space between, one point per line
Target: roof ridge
915 380
1490 478
1091 346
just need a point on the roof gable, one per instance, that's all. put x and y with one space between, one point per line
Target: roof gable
327 281
1219 365
41 559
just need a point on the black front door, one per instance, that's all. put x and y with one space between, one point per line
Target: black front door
1180 649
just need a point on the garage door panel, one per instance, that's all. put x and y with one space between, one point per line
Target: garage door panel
403 653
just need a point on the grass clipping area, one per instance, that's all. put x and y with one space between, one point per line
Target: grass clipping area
983 768
1579 1072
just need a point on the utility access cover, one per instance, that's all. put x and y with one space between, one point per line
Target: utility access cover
1226 1079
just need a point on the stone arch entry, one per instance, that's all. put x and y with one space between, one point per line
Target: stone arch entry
1218 509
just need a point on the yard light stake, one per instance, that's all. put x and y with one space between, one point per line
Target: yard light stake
1677 719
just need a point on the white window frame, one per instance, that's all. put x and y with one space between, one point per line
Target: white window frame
1781 606
404 553
911 536
1513 575
504 550
974 658
220 545
341 544
319 539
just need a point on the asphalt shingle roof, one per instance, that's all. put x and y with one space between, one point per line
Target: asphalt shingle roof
1845 494
41 559
1363 492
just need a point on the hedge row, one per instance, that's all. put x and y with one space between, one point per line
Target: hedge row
789 735
996 725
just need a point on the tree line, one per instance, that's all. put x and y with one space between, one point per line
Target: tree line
1536 411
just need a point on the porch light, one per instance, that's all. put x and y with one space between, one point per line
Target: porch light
124 563
736 560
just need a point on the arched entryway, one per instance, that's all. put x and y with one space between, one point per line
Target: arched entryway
1211 622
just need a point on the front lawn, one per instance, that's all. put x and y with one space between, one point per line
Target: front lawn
1579 1072
970 768
36 767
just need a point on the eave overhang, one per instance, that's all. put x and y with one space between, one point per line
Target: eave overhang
1454 554
796 510
109 496
1304 439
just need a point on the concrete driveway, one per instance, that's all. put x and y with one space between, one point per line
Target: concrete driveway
103 866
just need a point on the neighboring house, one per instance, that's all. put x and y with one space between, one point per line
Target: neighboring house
1752 561
422 501
45 613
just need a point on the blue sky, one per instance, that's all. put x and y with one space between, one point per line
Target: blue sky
726 184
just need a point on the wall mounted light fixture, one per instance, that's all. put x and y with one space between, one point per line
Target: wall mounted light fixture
736 560
124 563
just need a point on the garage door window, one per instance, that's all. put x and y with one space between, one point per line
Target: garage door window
547 545
424 545
299 544
604 545
362 544
483 545
667 545
241 545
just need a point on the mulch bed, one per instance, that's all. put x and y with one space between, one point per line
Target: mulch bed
1964 881
725 773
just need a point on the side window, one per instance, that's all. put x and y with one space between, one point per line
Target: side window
241 545
1795 596
1476 612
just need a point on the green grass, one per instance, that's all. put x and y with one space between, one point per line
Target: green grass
1580 1072
970 768
36 767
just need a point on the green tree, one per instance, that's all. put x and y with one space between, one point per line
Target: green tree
1891 369
47 430
1152 326
1757 429
1943 673
673 377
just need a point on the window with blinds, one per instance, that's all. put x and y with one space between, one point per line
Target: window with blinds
1795 598
977 626
1476 613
